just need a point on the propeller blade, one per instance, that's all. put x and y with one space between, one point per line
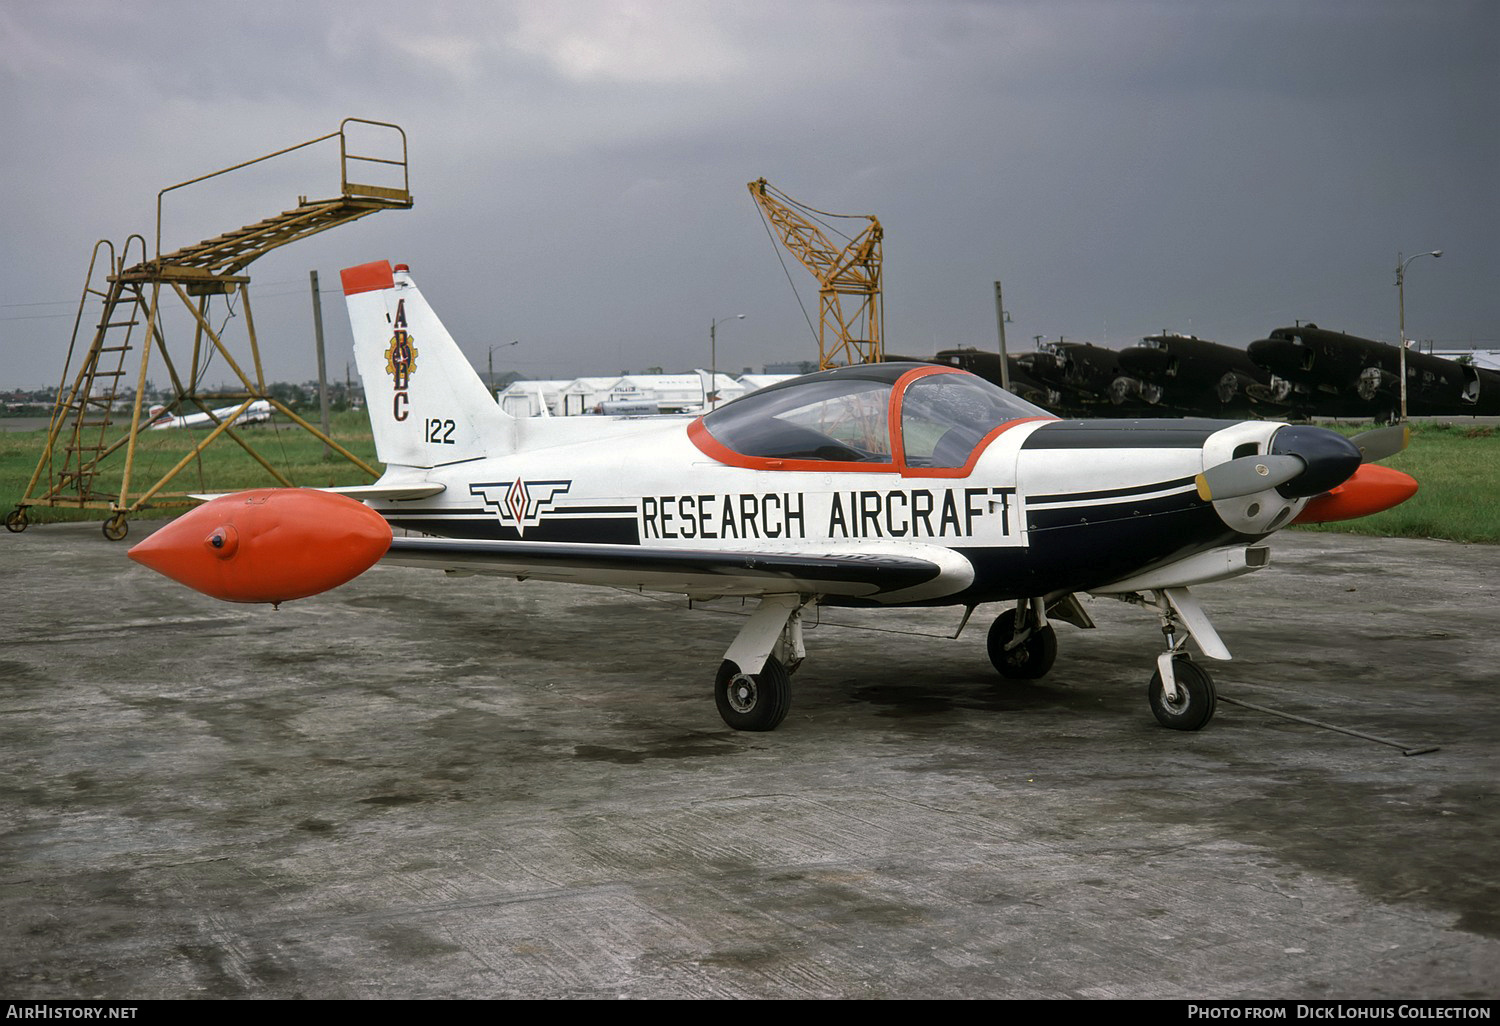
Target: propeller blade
1380 443
1247 475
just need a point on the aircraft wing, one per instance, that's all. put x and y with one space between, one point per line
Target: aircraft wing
699 573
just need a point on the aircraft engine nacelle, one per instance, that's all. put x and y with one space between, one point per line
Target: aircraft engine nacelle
1375 382
268 545
1123 389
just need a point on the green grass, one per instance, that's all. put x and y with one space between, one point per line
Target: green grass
1457 466
222 467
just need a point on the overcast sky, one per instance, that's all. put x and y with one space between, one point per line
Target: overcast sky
1219 167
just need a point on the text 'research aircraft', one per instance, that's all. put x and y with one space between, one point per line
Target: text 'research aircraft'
893 484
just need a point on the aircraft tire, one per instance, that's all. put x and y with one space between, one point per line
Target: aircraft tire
1196 700
757 701
116 528
1028 661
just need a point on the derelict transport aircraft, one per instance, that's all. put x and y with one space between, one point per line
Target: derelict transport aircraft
893 484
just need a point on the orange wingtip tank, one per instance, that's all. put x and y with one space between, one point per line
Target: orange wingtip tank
1372 488
268 545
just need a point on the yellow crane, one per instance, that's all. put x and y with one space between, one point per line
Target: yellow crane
852 271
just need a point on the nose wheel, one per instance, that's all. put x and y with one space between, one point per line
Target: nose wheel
1191 704
1181 693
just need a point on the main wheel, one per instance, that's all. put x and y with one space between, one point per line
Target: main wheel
15 521
1030 659
116 528
753 701
1196 698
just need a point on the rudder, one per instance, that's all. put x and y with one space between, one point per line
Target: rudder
427 404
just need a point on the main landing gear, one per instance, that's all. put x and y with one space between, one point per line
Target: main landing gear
1021 643
753 689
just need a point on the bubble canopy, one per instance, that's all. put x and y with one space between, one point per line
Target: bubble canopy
892 417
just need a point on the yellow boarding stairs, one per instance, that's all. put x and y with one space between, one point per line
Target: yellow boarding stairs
87 427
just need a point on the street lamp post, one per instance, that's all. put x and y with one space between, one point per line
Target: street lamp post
1401 315
711 399
498 345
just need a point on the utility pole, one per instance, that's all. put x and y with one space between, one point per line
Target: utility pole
322 365
1004 360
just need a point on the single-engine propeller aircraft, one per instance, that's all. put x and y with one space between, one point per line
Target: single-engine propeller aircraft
891 484
161 418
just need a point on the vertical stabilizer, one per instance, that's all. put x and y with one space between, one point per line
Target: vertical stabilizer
427 405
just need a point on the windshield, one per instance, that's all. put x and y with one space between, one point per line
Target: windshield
945 416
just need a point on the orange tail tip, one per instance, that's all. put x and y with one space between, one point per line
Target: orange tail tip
1372 488
268 545
371 277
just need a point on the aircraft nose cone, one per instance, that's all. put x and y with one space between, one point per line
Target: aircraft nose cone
1330 457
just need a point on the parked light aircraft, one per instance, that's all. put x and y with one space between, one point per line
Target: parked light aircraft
257 412
883 485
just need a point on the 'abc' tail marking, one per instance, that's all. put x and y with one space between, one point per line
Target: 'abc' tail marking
427 405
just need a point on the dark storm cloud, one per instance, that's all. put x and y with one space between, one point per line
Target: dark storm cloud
580 169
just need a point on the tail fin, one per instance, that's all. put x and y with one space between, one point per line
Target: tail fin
427 405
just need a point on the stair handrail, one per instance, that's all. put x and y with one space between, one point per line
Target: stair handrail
344 158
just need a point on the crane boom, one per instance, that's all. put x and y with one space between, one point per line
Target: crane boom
845 336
